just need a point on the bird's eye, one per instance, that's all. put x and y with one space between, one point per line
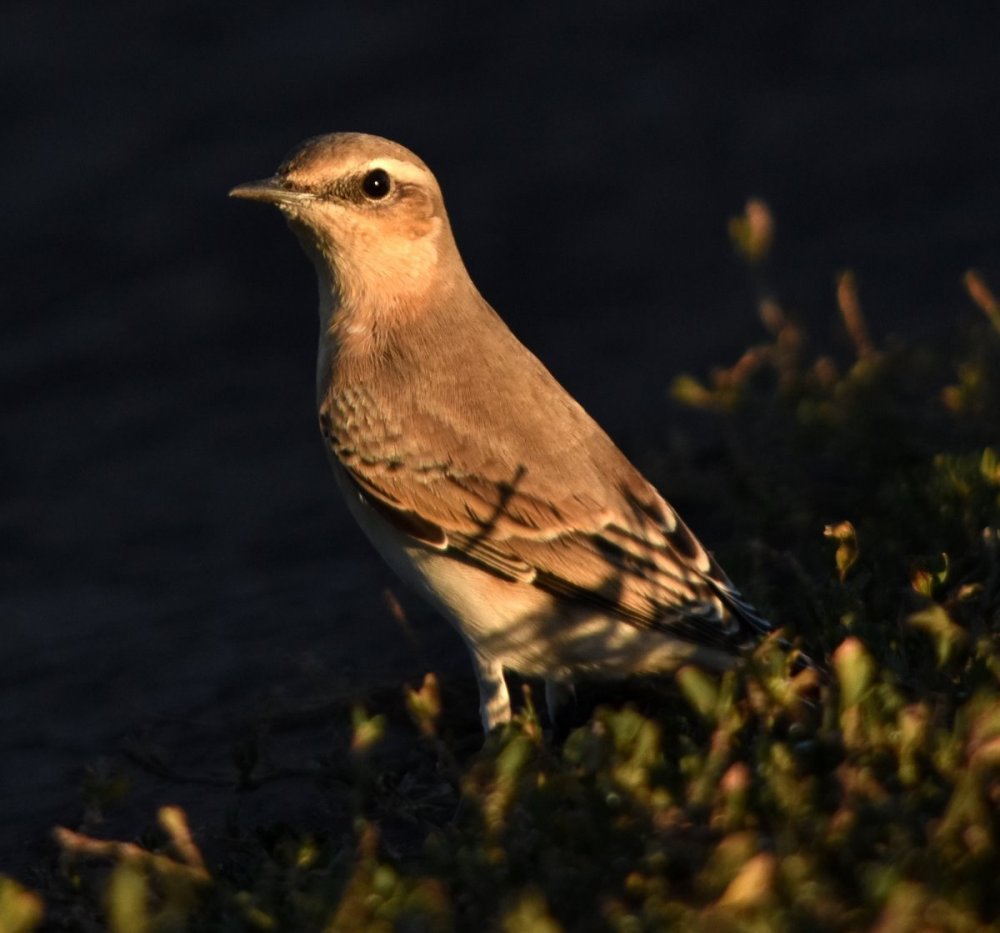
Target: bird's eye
376 184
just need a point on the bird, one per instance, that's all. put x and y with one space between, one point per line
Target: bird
480 480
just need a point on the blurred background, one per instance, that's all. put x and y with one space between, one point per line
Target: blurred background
173 550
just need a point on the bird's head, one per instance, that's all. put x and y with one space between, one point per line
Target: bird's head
370 215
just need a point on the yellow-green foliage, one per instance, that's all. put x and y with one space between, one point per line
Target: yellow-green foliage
861 795
20 910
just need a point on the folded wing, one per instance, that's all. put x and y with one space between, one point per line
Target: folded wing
626 553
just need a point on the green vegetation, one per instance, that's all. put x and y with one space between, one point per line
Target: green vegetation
862 796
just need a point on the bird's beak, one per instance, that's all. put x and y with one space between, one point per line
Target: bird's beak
271 190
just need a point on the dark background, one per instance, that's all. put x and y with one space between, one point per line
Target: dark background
172 547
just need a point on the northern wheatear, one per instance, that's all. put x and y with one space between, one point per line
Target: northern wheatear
474 473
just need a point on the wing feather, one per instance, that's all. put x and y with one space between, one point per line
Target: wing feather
640 562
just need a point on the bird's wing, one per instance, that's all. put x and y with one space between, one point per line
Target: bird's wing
611 541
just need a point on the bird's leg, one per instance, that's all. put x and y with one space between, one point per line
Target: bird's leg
494 700
560 700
